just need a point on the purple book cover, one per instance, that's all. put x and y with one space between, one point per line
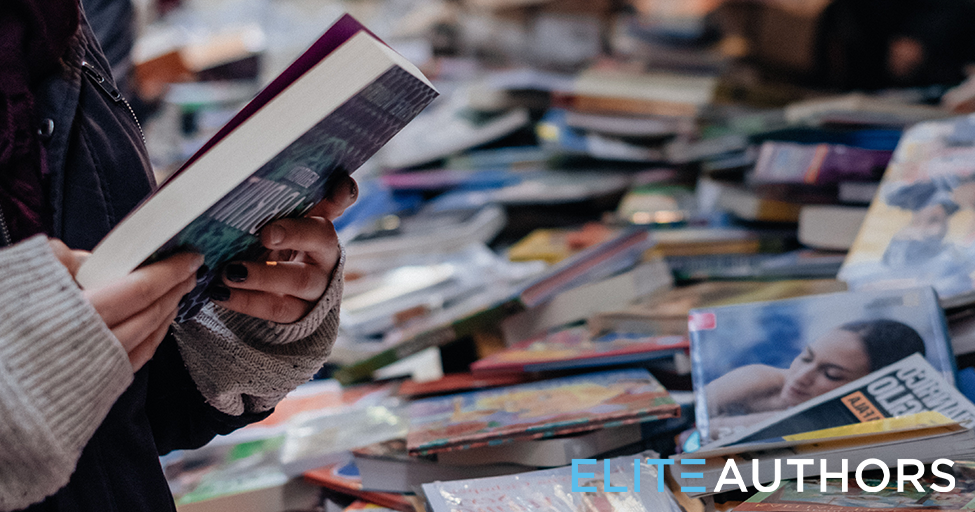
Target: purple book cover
818 164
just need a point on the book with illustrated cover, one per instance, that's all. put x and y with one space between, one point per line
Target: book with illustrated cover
574 347
920 228
332 109
786 498
909 386
536 410
757 360
551 489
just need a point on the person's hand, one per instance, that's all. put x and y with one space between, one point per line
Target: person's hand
139 307
303 255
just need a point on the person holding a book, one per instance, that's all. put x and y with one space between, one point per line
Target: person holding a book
749 394
96 384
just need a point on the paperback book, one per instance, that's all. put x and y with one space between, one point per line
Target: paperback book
754 361
536 410
274 159
574 347
920 228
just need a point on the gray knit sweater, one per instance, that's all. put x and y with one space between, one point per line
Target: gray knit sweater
61 369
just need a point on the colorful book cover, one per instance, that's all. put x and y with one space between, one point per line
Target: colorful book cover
920 229
753 361
289 182
552 490
575 347
536 410
787 498
908 386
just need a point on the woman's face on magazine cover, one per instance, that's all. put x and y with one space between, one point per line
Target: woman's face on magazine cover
824 365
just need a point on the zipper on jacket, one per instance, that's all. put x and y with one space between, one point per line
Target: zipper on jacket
5 237
112 92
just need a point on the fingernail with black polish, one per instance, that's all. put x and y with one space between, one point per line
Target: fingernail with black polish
219 293
202 272
236 273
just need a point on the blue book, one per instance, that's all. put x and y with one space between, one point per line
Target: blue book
342 100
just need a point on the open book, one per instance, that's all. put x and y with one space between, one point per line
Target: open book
332 109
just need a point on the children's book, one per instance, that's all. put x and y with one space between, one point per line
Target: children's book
536 410
787 498
335 106
552 489
920 229
753 361
574 347
909 386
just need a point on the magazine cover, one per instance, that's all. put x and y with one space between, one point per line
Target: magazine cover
551 490
787 499
536 410
574 347
920 229
752 361
908 386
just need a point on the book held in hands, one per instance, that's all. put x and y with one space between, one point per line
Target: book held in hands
332 109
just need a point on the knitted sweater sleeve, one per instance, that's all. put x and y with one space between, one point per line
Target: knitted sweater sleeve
61 369
243 364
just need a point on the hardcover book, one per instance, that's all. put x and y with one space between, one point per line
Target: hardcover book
272 160
754 361
536 410
574 347
920 229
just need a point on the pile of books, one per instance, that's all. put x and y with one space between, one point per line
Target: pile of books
566 286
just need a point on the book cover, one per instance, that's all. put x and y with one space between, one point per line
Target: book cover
273 160
920 229
889 499
574 347
551 489
908 386
752 361
817 164
536 410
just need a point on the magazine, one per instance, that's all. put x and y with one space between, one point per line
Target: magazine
908 386
751 361
920 229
